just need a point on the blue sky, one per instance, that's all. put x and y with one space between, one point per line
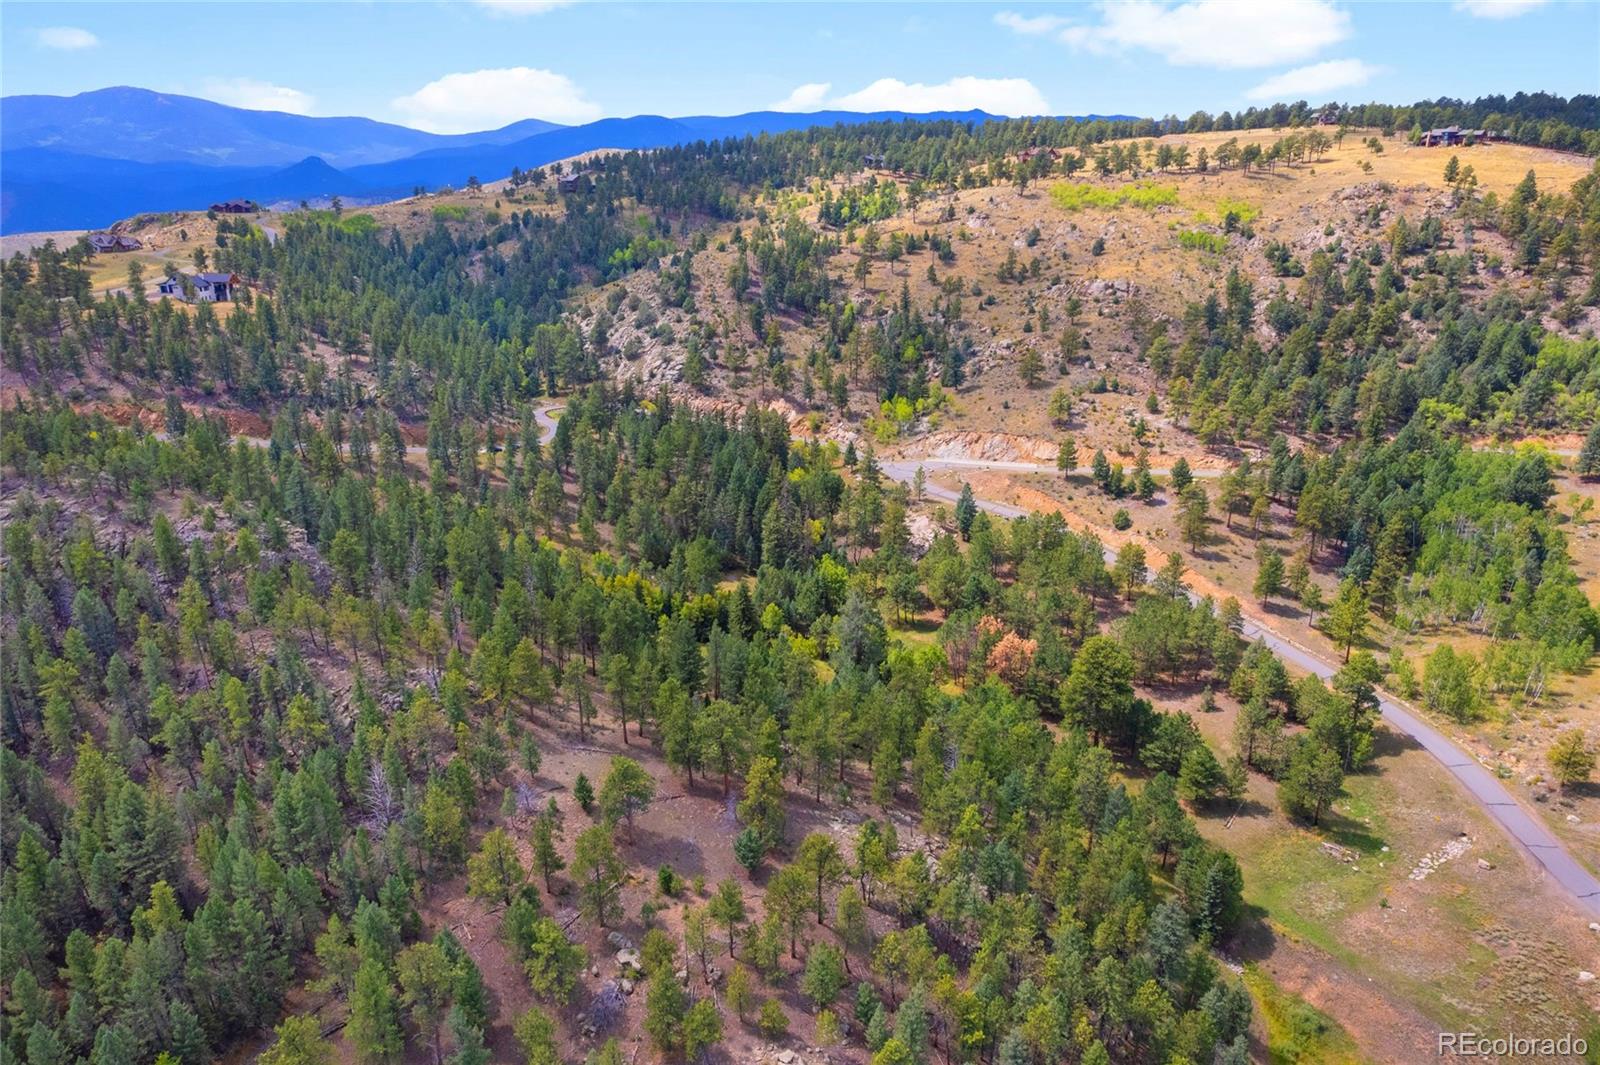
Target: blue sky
452 67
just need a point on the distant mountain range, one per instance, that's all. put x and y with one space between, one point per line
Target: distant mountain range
77 162
157 127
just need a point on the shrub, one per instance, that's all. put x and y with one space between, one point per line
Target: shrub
1199 240
1571 759
1071 196
773 1022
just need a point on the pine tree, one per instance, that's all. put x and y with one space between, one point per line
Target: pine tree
966 511
547 859
772 1021
1030 367
598 871
740 991
727 909
1067 457
665 1009
553 962
1100 469
374 1015
702 1029
495 871
762 808
427 982
749 849
626 790
822 863
1346 621
1589 456
1194 515
1128 572
1312 780
536 1033
1182 475
824 975
1269 575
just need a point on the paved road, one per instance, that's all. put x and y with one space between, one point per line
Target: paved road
1008 466
1486 790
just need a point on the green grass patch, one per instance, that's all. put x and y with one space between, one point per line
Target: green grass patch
355 224
1070 196
358 224
1308 892
919 632
1243 211
1297 1032
450 212
1200 240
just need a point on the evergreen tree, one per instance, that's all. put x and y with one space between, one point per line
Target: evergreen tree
495 871
666 1007
427 983
1269 575
626 790
598 871
1067 456
1311 782
374 1027
536 1033
1589 455
966 511
1346 620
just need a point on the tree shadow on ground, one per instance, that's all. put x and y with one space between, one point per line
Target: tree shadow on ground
664 848
1286 611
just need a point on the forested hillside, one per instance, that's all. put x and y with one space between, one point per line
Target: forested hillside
416 686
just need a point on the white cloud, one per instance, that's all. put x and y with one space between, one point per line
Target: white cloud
1497 8
1230 34
998 96
1316 80
258 95
812 96
488 99
1030 25
67 38
520 8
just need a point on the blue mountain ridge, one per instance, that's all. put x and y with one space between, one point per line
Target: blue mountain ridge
61 185
154 127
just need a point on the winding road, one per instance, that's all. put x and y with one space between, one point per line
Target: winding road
1486 790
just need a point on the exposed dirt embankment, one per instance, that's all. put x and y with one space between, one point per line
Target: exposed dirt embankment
987 447
800 424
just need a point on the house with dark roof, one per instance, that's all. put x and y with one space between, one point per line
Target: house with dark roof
104 242
236 207
580 181
200 288
1449 136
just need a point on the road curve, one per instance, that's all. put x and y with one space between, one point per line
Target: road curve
1486 790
